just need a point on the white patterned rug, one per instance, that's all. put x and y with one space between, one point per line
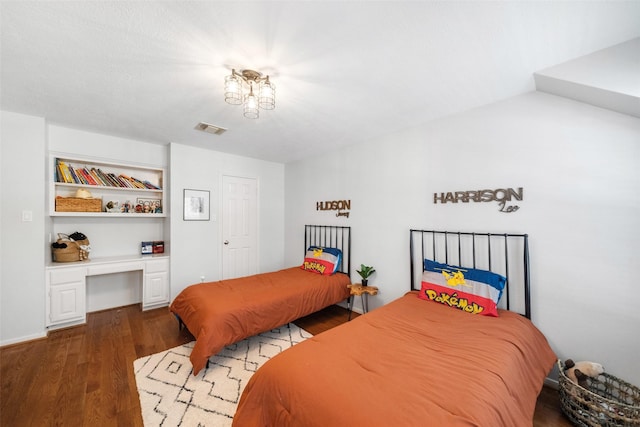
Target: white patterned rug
171 396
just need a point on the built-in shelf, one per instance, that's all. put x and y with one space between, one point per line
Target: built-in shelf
128 201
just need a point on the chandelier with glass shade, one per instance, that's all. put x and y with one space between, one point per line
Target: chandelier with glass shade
251 89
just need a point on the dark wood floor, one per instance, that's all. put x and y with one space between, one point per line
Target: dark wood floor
83 376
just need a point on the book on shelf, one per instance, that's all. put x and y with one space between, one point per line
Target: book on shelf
60 173
150 185
112 179
87 176
105 178
138 183
116 181
134 181
77 178
97 176
128 180
65 172
125 182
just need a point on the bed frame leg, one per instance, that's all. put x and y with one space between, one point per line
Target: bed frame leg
180 323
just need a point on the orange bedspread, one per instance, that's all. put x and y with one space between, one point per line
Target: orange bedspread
224 312
408 363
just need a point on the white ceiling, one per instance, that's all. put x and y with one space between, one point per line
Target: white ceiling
608 78
345 71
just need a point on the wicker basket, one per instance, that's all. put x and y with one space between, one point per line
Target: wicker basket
74 204
604 401
74 250
69 254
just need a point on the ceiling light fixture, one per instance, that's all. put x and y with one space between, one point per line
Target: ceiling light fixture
251 89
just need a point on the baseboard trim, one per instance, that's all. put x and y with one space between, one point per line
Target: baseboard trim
551 383
346 307
22 340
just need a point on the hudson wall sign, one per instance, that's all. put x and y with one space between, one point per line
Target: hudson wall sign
504 197
342 206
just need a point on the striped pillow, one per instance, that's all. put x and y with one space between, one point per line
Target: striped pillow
467 289
322 260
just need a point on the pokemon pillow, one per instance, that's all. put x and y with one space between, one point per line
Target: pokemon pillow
467 289
322 260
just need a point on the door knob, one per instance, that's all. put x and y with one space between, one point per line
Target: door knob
226 242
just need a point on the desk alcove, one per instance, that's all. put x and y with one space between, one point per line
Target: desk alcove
66 285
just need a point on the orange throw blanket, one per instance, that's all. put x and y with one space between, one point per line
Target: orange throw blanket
224 312
408 363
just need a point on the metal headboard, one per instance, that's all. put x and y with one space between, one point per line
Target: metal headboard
333 236
505 254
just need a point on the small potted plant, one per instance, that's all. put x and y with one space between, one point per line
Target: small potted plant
364 272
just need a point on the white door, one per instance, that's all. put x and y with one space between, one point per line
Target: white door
239 227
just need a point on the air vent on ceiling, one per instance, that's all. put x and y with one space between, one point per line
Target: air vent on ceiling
206 127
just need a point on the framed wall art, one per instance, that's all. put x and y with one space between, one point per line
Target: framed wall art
196 205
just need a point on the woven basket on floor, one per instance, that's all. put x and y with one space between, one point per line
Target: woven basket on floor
604 401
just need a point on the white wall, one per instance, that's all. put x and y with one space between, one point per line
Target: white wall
196 245
581 208
23 160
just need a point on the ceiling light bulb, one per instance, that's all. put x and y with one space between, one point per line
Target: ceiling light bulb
233 90
251 105
267 95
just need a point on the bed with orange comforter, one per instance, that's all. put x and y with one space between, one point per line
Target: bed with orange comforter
416 362
224 312
409 363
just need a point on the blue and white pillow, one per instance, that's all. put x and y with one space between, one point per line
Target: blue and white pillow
322 260
467 289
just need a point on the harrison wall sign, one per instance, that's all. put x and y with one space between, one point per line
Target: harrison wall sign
501 195
335 205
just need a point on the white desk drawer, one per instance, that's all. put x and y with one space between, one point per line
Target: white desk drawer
157 266
67 275
116 267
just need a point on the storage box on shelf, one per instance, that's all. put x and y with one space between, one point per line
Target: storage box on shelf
106 189
75 204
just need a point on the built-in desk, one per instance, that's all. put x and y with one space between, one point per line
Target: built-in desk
66 285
